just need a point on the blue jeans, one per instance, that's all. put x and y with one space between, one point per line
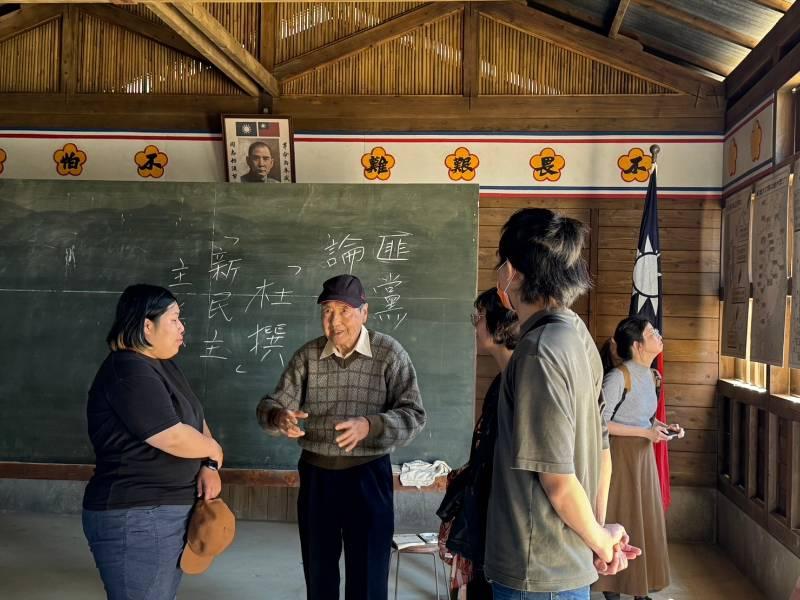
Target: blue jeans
138 550
502 592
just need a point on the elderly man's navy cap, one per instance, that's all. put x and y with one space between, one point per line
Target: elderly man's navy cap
343 288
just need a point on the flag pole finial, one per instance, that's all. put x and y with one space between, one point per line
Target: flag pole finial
654 150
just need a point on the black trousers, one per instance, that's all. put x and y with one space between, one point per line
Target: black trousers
351 507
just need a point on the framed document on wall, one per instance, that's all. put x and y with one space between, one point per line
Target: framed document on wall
736 273
769 267
258 148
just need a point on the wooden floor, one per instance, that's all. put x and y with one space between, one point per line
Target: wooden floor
701 572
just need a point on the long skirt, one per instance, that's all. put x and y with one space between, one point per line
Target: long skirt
634 501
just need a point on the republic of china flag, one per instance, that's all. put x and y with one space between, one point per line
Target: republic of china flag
646 301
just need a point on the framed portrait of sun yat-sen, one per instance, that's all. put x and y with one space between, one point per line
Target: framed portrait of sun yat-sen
258 148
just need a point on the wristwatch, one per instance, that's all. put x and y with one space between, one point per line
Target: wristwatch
211 464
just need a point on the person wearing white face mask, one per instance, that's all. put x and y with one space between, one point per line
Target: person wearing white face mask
546 531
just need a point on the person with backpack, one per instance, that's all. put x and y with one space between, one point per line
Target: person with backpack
631 390
462 536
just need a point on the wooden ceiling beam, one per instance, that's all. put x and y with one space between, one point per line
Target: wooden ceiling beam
613 52
665 9
714 66
765 55
567 8
471 55
619 16
357 42
27 18
784 71
232 48
672 112
183 27
779 5
267 35
457 107
157 32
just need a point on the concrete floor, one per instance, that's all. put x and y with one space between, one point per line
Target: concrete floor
45 557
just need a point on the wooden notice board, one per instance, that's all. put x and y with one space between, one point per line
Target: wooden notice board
769 267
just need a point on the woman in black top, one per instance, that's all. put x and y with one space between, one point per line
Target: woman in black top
154 451
464 506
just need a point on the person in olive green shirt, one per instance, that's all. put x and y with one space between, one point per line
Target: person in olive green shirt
552 465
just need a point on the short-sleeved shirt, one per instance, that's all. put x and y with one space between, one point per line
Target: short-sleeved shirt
549 421
640 402
134 397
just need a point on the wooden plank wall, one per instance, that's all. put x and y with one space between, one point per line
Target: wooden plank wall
690 231
259 503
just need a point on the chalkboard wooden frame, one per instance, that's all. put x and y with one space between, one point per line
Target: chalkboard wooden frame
248 477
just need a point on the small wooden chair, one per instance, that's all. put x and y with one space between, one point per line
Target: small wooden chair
430 549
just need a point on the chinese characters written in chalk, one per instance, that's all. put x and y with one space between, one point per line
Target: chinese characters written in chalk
277 297
267 338
348 250
388 289
178 273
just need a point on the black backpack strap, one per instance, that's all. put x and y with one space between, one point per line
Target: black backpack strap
626 376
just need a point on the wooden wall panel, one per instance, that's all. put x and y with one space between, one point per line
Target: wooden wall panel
22 64
682 261
515 62
114 60
241 20
690 234
672 238
674 306
307 26
426 61
704 284
260 503
682 328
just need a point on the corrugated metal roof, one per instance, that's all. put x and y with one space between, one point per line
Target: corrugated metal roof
703 44
674 38
741 15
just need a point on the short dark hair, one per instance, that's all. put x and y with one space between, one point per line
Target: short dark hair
545 247
137 303
255 145
628 331
500 322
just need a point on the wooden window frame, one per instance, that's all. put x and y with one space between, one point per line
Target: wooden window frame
749 389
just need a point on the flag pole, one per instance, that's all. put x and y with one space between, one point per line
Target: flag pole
662 457
654 150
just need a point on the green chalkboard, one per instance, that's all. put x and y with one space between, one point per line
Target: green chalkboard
246 263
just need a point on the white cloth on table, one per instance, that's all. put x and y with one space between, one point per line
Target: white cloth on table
420 473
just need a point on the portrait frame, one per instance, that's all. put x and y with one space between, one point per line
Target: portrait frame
272 132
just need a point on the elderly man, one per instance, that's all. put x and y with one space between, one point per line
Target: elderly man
260 161
356 392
